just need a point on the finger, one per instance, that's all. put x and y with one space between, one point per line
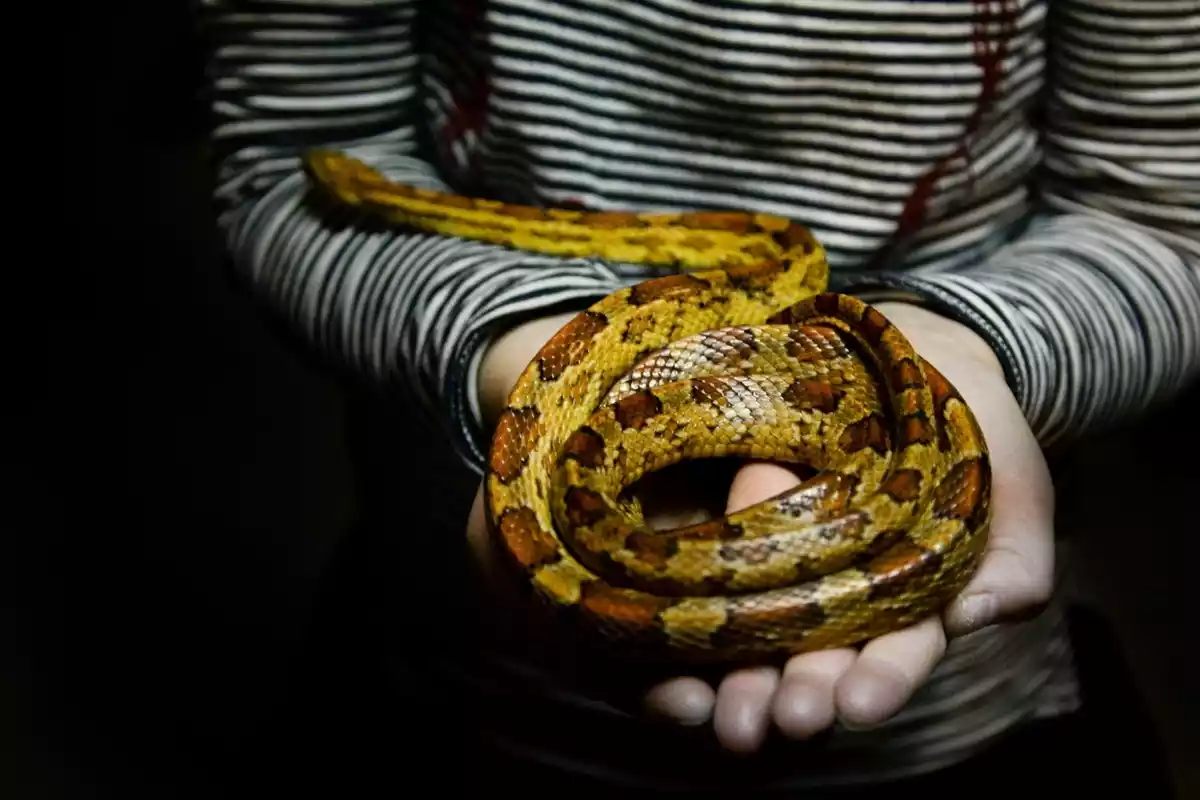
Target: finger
804 704
688 701
1016 575
758 481
1014 582
887 672
740 708
743 711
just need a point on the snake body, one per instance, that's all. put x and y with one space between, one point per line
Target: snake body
740 353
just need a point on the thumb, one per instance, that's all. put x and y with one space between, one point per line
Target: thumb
1016 575
758 481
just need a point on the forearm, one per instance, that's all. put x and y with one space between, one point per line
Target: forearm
295 75
414 311
411 310
1096 311
1094 322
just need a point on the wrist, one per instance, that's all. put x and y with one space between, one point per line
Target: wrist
931 332
508 355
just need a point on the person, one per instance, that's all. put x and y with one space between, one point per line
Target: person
1012 182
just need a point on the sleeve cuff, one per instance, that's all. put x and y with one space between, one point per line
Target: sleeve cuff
468 432
939 298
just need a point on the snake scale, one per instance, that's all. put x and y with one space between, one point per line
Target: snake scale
739 352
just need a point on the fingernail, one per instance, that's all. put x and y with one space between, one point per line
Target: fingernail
868 697
863 712
802 710
695 710
746 730
975 612
804 700
686 701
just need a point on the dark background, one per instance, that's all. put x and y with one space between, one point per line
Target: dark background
194 469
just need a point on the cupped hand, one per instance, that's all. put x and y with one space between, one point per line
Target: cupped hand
863 687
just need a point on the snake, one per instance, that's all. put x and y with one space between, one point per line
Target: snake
738 350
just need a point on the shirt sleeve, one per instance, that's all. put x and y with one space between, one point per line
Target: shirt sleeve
1095 309
415 311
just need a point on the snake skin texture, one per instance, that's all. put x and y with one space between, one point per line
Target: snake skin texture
741 353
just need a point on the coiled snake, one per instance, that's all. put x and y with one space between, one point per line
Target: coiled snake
739 353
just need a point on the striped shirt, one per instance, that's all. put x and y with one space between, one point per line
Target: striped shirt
1030 169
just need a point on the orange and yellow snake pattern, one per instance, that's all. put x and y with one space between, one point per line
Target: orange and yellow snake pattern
739 353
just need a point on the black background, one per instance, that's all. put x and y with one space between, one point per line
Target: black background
190 466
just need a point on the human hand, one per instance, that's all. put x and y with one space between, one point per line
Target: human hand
860 687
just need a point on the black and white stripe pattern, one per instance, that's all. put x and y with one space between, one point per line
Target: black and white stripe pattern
900 132
1097 322
638 105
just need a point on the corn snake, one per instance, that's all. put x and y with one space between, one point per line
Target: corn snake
741 353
